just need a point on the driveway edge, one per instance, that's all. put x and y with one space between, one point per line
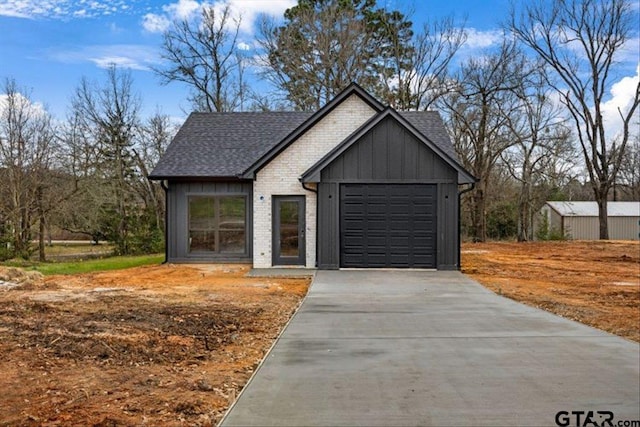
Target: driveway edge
266 355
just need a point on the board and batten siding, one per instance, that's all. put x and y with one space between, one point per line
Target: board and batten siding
178 221
388 154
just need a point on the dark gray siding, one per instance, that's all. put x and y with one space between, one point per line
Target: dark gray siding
448 230
178 218
391 154
328 226
388 154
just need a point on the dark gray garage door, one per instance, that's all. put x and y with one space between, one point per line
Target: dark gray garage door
390 225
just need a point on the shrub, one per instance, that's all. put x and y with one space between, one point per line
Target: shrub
502 221
544 232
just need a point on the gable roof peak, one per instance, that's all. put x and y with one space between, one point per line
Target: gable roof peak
352 89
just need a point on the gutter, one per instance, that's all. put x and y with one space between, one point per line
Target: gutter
163 184
308 188
460 193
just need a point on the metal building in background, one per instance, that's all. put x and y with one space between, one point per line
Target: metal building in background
579 220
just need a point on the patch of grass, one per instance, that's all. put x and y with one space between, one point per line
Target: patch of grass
89 266
76 249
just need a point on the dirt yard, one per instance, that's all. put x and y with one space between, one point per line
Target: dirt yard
596 283
173 345
160 345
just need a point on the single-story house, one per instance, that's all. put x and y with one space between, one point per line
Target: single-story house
356 184
579 220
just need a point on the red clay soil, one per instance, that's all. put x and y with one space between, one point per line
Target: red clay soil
593 282
173 345
160 345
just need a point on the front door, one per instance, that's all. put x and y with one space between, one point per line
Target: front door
288 230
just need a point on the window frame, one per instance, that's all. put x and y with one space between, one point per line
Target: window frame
216 198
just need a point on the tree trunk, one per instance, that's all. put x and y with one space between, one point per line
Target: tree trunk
41 227
524 203
523 209
601 198
478 223
522 223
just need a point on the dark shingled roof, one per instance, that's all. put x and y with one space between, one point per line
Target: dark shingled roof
227 144
224 144
430 125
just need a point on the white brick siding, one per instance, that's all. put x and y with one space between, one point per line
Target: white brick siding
281 175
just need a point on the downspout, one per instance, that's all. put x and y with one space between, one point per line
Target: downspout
164 186
317 207
460 193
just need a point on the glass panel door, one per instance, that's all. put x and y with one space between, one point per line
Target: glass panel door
288 230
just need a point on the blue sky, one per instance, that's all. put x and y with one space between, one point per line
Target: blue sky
48 45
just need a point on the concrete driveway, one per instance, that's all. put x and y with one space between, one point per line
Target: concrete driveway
403 348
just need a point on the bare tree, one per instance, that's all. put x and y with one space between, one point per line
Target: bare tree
110 113
540 134
629 177
80 159
154 138
203 54
27 143
479 110
579 41
421 71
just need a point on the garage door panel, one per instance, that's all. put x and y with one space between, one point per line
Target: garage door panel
374 241
376 260
423 216
397 208
388 225
376 225
398 260
423 242
399 226
377 209
398 244
424 252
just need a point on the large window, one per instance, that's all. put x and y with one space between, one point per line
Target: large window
217 224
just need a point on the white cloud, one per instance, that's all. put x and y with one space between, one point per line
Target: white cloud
622 95
477 39
249 10
630 51
179 11
33 109
155 23
183 9
245 10
119 61
60 9
135 57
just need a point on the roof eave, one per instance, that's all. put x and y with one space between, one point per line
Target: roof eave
197 178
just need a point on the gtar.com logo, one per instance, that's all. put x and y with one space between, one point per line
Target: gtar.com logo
591 419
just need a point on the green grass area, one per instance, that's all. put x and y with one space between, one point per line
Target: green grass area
88 266
75 249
